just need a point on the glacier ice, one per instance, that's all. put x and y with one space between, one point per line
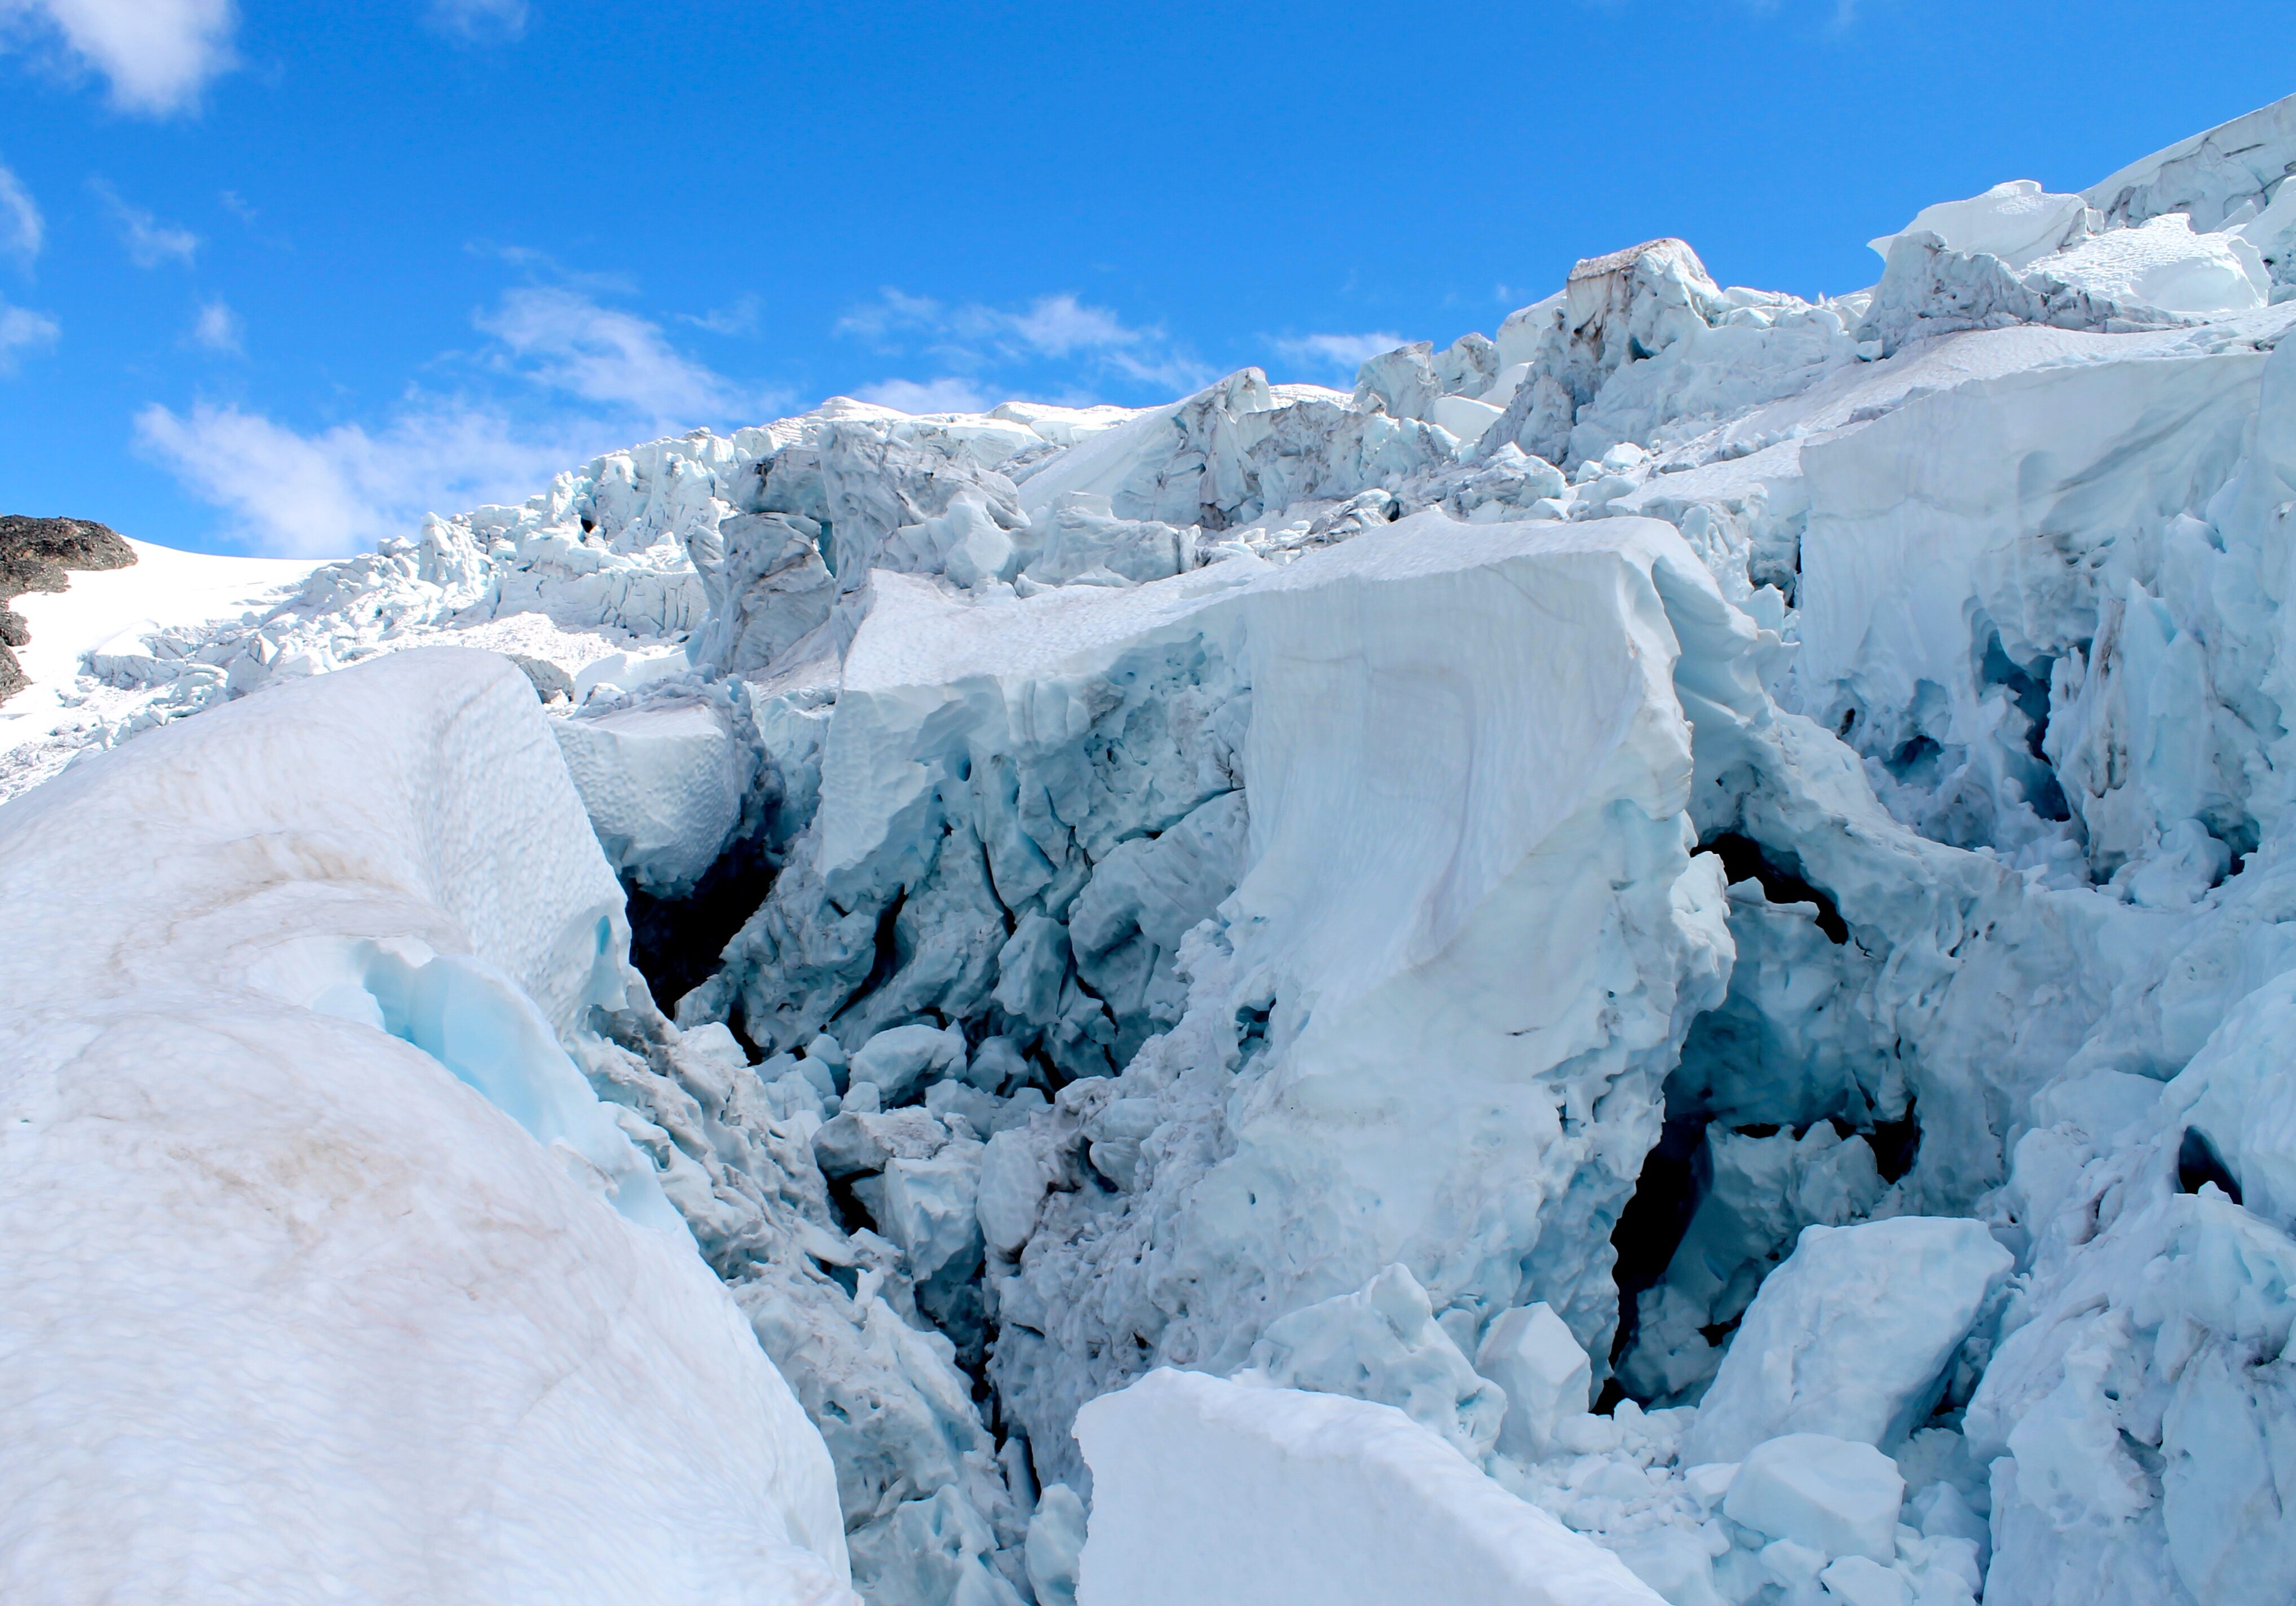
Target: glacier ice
2017 222
1836 1496
1851 1337
287 1300
663 784
1382 1344
1218 1492
1677 919
1531 1352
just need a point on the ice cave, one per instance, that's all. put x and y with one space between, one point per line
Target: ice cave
1637 963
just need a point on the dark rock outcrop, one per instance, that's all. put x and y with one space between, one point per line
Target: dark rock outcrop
36 555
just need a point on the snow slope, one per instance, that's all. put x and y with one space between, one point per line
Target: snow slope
163 589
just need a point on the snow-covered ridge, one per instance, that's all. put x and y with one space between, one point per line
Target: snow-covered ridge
1709 855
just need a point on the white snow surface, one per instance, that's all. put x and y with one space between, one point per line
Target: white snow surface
112 612
1266 886
1217 1493
292 1310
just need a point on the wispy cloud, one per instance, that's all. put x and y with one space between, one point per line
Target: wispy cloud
565 340
157 55
218 329
971 338
22 330
561 379
1330 355
480 22
22 230
740 318
341 489
150 243
926 396
543 267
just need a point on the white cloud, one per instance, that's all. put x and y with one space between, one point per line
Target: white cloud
157 55
481 21
1057 325
740 318
218 328
563 340
150 243
1337 353
1057 328
926 396
22 330
339 490
22 231
890 313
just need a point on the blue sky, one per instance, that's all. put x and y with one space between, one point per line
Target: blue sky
281 277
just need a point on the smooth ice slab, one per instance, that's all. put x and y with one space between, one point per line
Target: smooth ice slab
1219 1495
1530 1353
1832 1495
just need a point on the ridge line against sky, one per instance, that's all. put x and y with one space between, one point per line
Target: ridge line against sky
284 282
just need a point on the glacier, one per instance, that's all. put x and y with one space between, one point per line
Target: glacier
1638 960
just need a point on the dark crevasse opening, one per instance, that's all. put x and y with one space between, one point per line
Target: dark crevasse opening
1651 1227
676 943
1916 762
2027 686
2199 1163
1896 1144
1779 872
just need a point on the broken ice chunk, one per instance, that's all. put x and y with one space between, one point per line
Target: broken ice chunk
858 1142
1055 1540
2017 221
1212 1494
1832 1495
1850 1336
898 1058
929 1209
996 1064
1531 1352
1673 1561
1861 1581
1381 1343
662 785
1013 1180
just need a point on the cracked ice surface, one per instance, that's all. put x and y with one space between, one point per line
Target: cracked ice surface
1712 855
